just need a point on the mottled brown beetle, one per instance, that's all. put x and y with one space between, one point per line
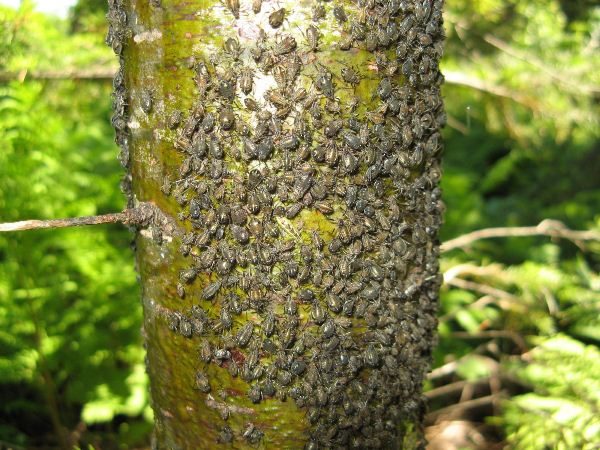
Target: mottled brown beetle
324 82
340 14
146 101
174 119
298 367
222 354
318 12
185 327
371 41
280 74
226 321
202 383
226 434
277 97
188 275
211 290
422 10
205 353
318 314
208 122
349 162
284 46
227 119
234 7
371 357
244 334
352 140
312 38
332 128
251 104
345 42
246 82
350 75
276 18
256 51
402 50
255 394
384 89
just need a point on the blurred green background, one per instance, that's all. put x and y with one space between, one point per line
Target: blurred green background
518 362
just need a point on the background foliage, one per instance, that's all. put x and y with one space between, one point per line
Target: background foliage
518 357
70 346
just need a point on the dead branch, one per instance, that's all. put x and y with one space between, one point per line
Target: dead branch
563 78
462 79
106 72
513 336
548 227
450 367
457 125
489 270
141 215
475 407
477 304
454 389
121 217
481 288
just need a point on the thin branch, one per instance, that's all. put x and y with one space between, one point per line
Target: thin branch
106 72
140 215
463 408
443 371
552 228
565 79
512 335
481 288
551 302
457 125
477 304
462 79
454 389
490 270
450 367
63 223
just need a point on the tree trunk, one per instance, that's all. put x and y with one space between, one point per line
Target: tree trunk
291 302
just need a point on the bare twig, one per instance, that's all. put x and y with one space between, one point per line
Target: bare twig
548 227
106 72
443 371
454 389
477 304
450 367
457 125
551 302
491 295
513 336
462 79
481 288
140 215
62 223
460 409
489 270
563 78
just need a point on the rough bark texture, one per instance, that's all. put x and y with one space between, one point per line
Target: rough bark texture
296 146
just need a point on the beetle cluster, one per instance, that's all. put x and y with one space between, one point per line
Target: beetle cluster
118 32
313 221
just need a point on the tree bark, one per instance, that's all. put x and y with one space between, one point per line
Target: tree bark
296 147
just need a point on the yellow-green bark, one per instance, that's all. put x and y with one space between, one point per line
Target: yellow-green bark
355 381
